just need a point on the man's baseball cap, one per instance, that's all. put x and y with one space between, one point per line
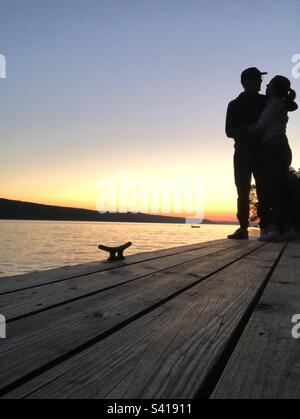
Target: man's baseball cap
251 73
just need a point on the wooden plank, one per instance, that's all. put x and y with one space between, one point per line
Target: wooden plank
35 279
265 364
27 301
167 352
35 341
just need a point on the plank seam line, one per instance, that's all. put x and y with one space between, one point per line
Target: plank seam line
63 358
214 375
105 270
91 294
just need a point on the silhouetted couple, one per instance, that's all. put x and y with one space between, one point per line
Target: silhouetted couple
258 123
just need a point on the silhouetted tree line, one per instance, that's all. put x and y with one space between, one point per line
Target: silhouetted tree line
253 204
294 183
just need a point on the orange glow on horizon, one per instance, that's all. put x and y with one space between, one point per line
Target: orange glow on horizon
213 214
68 187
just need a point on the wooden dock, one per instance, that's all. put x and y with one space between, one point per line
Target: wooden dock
210 320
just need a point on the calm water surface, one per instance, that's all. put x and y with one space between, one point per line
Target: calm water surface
28 246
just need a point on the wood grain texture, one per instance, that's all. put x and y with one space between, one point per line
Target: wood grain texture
35 279
168 352
42 338
266 362
24 302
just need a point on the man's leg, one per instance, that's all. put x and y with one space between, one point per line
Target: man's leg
242 174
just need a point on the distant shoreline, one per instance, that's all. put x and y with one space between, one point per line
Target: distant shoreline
207 222
29 211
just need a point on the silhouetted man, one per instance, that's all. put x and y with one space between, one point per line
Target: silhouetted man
242 112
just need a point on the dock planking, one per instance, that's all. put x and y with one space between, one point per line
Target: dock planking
28 301
52 276
265 363
90 318
160 327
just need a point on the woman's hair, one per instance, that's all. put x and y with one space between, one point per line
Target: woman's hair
291 96
283 88
291 105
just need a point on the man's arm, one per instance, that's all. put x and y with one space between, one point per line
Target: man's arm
233 128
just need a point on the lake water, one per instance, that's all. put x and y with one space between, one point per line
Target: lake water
28 246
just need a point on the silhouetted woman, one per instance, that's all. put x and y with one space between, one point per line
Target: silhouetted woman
277 157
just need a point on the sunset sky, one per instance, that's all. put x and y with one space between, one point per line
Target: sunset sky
95 87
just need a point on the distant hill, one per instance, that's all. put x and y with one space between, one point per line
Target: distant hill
220 222
18 210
